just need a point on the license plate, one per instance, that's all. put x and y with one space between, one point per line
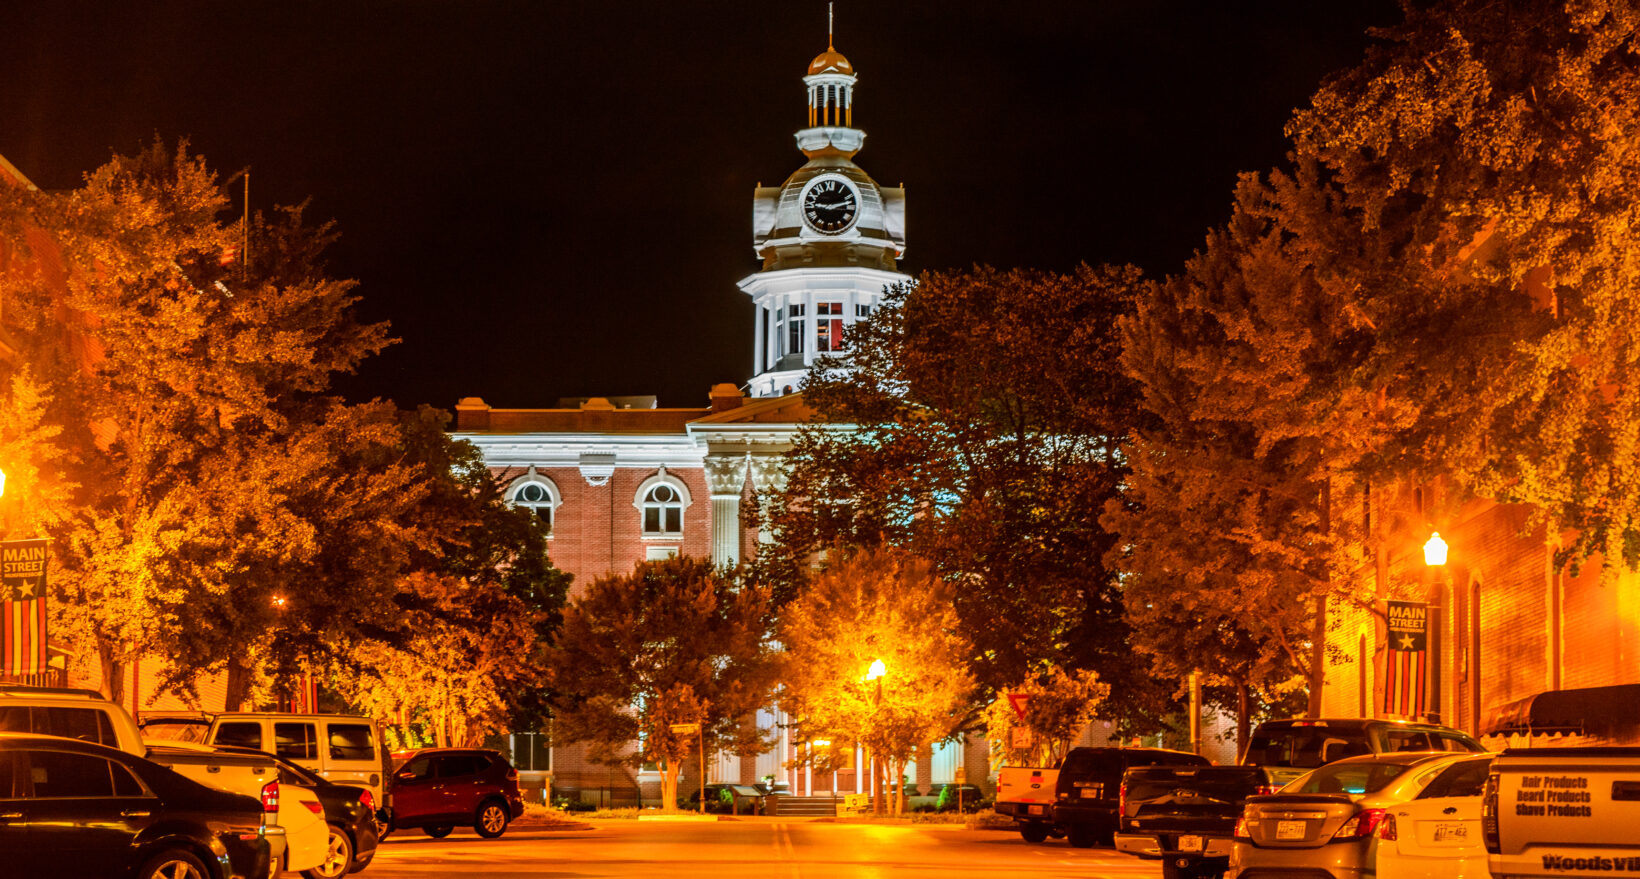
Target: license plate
1291 829
1036 810
1451 832
1190 843
1089 793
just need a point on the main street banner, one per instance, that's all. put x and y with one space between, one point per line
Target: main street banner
1406 665
23 603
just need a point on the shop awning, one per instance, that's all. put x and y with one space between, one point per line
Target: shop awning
1606 712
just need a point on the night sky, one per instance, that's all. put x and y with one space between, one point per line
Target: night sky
554 199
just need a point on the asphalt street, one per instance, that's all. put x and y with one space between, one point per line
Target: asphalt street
761 848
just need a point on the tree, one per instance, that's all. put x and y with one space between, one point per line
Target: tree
674 641
867 606
984 409
1057 707
1485 154
1228 520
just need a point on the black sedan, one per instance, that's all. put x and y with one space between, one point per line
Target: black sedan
72 808
350 811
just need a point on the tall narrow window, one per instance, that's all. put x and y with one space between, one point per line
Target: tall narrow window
663 511
794 329
828 328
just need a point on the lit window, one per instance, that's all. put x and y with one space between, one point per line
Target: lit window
663 510
829 327
537 497
794 329
862 311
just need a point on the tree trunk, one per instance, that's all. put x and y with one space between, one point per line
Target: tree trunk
113 671
1318 636
670 770
1244 724
238 687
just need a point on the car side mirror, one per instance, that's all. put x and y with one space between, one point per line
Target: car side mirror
405 776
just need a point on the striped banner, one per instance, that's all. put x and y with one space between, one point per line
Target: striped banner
23 606
1406 670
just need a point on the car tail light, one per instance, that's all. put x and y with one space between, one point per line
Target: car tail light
1489 815
512 773
1361 825
1386 829
1265 790
314 807
367 801
270 797
1121 801
1241 828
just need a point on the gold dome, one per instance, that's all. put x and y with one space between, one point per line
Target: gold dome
830 61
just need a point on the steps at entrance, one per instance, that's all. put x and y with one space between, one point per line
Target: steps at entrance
803 807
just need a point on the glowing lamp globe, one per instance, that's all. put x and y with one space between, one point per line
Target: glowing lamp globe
1435 550
877 670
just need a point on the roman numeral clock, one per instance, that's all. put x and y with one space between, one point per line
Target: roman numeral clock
830 204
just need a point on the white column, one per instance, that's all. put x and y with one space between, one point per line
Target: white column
811 329
759 319
725 477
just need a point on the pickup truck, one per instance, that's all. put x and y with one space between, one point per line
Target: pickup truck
1563 811
1077 800
1185 816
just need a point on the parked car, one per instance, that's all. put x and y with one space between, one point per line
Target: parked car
1289 748
349 815
344 748
254 774
438 789
1563 812
1323 823
1438 834
73 808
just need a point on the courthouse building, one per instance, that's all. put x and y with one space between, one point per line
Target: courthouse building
621 481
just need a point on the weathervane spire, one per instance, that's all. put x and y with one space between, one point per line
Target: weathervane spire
831 18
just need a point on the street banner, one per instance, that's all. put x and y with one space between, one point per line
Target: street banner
23 605
1406 666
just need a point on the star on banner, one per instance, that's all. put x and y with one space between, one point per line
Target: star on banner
1406 642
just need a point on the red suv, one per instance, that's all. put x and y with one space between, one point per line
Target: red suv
437 789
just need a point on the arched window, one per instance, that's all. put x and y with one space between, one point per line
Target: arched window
663 510
536 494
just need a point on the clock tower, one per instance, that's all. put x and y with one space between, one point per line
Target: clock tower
829 237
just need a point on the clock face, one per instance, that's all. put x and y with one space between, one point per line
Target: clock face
830 205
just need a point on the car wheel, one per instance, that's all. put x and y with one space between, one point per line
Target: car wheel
1034 832
338 856
1081 836
492 820
1173 868
173 864
438 831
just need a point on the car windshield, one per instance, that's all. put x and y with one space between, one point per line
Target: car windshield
1305 747
1348 778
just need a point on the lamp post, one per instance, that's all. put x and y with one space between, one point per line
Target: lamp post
1435 557
876 672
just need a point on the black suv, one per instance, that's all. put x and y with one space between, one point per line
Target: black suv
1090 781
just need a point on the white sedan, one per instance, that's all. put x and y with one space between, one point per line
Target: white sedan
1438 835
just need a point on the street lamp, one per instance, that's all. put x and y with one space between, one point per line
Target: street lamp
1435 550
876 672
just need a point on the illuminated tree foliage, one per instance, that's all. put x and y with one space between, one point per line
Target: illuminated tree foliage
1487 154
986 406
1439 287
1058 706
206 472
869 605
672 642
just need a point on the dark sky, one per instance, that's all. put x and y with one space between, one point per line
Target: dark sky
554 199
